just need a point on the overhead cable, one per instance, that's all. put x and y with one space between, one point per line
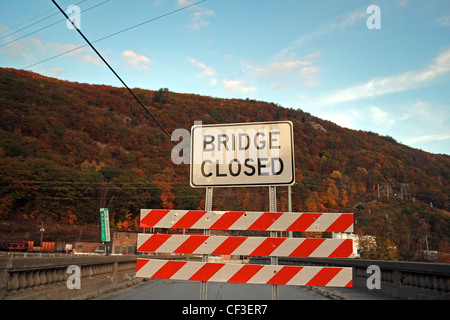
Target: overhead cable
113 71
48 26
115 33
34 23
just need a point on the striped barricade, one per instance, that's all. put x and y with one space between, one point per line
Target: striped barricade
247 220
245 246
244 273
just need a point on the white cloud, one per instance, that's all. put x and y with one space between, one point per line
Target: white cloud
287 65
92 60
419 124
70 48
308 74
444 21
391 84
31 50
402 3
429 138
284 67
380 117
286 71
426 116
348 120
425 124
206 71
199 16
340 23
237 86
28 51
135 60
427 113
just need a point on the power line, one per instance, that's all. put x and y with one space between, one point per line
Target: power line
112 70
48 26
35 17
115 33
30 25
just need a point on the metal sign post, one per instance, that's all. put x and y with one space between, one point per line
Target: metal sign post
273 234
290 234
206 232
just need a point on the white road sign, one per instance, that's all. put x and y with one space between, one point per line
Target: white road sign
242 154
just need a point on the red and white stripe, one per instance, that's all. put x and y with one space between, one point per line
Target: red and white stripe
244 273
245 220
246 246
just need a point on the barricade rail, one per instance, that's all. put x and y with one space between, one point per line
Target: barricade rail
272 246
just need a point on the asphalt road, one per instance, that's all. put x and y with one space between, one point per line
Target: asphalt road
161 289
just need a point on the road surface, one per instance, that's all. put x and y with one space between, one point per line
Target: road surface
162 289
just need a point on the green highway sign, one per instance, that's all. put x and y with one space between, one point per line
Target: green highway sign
104 224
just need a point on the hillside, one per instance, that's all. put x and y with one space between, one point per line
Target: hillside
67 149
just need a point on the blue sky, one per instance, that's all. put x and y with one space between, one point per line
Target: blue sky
319 56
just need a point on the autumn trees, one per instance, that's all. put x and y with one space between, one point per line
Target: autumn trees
67 149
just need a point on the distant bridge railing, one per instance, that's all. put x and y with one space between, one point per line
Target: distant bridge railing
404 280
45 278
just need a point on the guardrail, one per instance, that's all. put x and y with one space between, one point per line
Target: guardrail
45 278
404 280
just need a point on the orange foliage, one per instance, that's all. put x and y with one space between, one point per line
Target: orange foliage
104 151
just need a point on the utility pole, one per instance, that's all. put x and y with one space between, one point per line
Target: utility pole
42 236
